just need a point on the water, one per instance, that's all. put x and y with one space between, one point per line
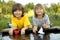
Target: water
6 38
0 35
31 37
55 36
51 36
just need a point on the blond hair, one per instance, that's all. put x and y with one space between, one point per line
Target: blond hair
37 6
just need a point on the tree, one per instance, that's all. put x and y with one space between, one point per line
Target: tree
28 7
6 7
9 5
58 10
54 7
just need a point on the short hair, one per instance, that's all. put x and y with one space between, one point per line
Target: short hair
17 6
39 6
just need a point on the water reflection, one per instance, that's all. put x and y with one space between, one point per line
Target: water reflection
24 37
42 37
50 36
46 37
6 38
55 36
16 38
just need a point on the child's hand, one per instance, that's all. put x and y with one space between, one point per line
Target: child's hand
22 31
34 29
45 26
11 31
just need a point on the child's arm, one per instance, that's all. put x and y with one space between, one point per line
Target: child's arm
26 25
45 26
14 26
35 28
47 23
23 30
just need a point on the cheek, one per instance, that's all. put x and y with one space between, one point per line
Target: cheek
42 11
36 11
15 13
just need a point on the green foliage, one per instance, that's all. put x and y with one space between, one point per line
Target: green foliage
28 6
31 21
6 7
53 11
54 7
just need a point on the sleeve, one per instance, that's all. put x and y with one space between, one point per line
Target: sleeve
13 23
47 20
27 22
34 21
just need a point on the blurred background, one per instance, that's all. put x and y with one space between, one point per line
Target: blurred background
52 8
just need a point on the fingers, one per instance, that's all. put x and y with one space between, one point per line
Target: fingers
34 29
11 31
22 31
45 26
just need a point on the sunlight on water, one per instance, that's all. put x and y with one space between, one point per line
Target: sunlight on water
6 38
54 36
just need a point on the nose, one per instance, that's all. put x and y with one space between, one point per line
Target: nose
18 12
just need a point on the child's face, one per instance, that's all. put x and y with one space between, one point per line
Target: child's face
39 11
17 13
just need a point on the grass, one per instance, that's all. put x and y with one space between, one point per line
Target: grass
55 22
3 22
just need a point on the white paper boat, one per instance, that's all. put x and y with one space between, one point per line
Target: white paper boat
41 31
